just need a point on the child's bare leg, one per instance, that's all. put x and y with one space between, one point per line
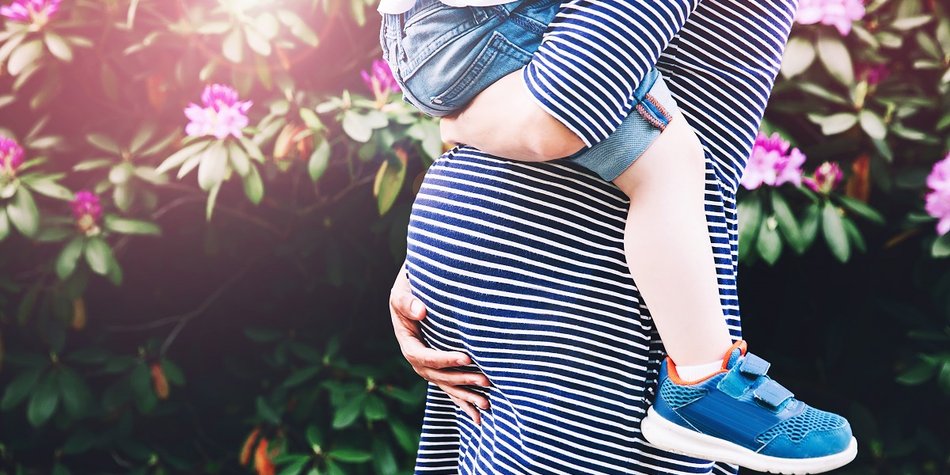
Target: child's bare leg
667 246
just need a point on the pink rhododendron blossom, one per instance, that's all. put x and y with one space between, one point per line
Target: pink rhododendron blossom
379 79
220 113
826 178
938 200
11 155
772 163
37 12
87 210
837 13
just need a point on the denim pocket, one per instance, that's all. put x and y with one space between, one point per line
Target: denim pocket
498 58
426 32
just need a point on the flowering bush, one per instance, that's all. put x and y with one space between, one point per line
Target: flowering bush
155 323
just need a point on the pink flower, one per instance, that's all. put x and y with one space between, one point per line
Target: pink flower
826 178
379 79
220 115
838 13
87 210
772 163
37 12
11 155
938 200
873 73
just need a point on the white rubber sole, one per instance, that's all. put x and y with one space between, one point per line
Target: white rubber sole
672 437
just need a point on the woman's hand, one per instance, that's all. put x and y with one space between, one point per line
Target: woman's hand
504 120
433 365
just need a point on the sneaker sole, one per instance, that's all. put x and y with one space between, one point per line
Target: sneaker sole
672 437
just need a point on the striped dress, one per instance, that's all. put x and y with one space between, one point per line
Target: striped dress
521 265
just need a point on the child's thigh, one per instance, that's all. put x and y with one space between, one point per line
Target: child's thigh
443 56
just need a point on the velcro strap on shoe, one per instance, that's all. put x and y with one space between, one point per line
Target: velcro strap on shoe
752 365
771 393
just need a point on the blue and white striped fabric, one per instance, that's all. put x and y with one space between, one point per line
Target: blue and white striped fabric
521 265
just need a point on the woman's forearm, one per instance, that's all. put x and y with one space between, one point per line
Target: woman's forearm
575 91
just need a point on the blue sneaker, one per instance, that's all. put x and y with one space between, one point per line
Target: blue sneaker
741 416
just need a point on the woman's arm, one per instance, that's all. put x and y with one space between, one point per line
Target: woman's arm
579 85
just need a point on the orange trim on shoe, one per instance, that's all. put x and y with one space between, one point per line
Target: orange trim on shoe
675 377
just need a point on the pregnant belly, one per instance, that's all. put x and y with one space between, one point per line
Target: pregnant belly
492 242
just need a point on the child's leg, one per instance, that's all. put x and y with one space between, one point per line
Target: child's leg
668 250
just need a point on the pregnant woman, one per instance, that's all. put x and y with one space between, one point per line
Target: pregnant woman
521 265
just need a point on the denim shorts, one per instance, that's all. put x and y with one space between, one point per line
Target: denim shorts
443 56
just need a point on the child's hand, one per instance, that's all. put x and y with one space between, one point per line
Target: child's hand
433 365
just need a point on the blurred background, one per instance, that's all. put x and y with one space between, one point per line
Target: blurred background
203 206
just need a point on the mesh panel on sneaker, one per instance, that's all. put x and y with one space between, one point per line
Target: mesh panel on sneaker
799 426
678 396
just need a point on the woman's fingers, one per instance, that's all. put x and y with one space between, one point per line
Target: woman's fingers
468 408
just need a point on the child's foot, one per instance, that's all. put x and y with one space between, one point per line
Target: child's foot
741 416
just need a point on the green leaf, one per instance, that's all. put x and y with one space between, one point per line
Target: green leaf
69 257
51 189
24 55
213 167
810 224
872 124
298 27
239 159
750 216
909 23
388 183
768 243
253 185
854 235
257 41
212 198
918 373
58 46
75 393
233 46
941 246
314 437
357 126
43 401
787 224
799 55
104 143
319 160
23 213
121 173
835 234
173 373
98 255
4 224
407 438
301 376
179 157
350 455
861 209
834 55
262 335
140 380
130 226
295 467
264 411
346 414
374 408
92 164
837 123
20 387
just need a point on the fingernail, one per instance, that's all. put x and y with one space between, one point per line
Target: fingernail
416 307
